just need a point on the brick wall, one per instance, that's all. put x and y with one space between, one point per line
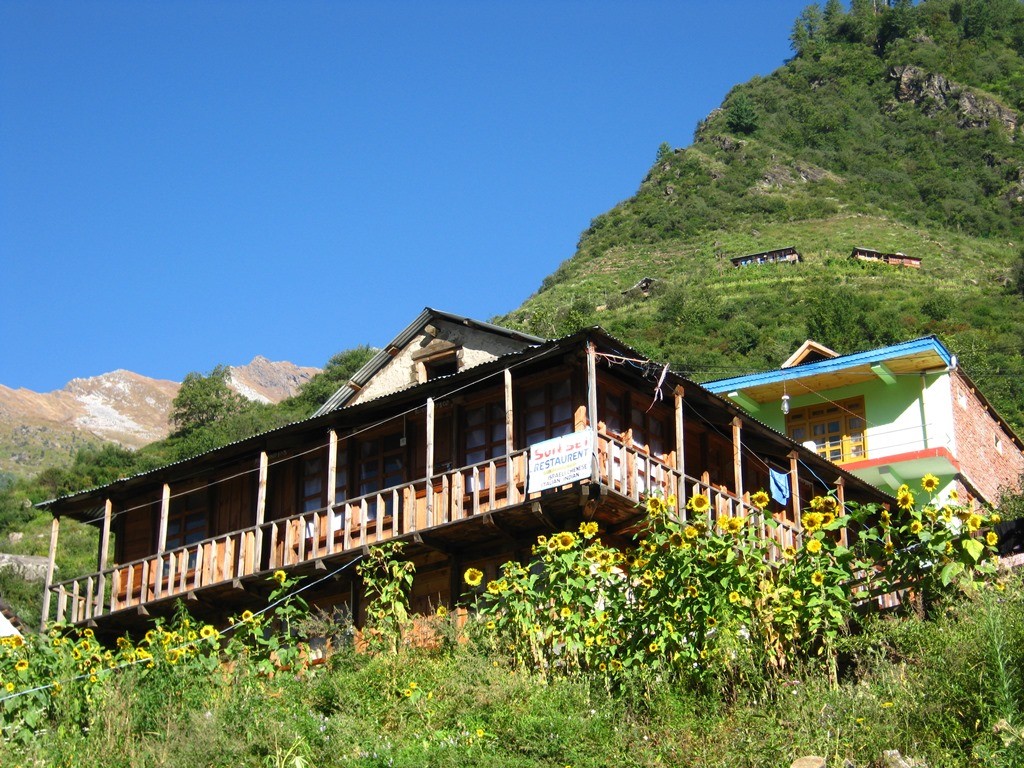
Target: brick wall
989 456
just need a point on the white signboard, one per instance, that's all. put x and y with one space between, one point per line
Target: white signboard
561 460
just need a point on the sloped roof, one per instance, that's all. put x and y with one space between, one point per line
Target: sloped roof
384 356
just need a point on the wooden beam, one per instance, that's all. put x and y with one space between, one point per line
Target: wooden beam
794 486
430 462
332 481
165 511
592 404
539 513
104 554
747 403
882 371
418 538
54 530
678 396
490 522
737 456
510 478
261 511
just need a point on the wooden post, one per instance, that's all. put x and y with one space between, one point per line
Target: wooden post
737 456
510 475
841 498
165 511
794 487
104 554
332 479
592 401
161 542
680 451
430 462
54 530
261 512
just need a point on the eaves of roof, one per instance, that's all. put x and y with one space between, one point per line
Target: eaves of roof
834 365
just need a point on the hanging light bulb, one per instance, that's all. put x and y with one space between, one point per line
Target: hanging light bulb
785 404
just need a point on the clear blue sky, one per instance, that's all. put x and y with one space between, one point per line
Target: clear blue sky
184 184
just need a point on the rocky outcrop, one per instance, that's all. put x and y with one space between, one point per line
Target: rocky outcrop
933 93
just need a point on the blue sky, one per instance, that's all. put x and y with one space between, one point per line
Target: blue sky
184 184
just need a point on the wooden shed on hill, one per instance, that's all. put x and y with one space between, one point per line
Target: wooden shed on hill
462 439
786 255
894 259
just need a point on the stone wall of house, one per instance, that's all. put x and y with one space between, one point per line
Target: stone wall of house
989 457
475 346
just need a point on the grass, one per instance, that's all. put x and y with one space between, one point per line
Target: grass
926 688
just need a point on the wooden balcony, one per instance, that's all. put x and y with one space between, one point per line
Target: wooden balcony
438 507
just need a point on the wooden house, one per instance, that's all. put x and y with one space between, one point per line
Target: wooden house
786 255
894 259
431 444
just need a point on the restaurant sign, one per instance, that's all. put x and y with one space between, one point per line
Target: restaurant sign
561 460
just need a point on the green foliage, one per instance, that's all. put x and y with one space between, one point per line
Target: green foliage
387 580
336 373
741 117
204 400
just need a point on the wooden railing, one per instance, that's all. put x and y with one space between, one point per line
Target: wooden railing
353 523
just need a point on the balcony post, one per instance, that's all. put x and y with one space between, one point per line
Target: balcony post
737 456
161 541
430 462
104 554
592 402
332 491
261 511
54 530
680 450
841 498
510 476
794 486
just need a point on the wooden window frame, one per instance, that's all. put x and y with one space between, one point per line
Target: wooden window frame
852 442
551 401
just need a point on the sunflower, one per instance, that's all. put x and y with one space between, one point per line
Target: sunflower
589 530
760 499
698 503
565 540
973 522
905 498
473 577
953 495
671 500
991 538
675 539
692 591
655 506
734 524
690 532
812 521
247 615
813 546
566 612
995 518
647 579
653 647
208 632
916 526
734 596
280 577
789 553
885 517
21 665
494 587
817 578
930 482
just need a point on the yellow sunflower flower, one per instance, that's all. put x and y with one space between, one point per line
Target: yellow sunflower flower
813 546
280 577
698 503
760 499
817 578
654 506
930 482
247 616
916 526
565 540
473 577
21 665
973 522
690 532
734 597
992 538
905 498
589 529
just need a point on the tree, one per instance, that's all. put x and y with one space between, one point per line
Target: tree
203 400
1017 279
806 30
741 117
832 18
337 372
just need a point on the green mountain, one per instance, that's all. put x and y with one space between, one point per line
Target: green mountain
895 127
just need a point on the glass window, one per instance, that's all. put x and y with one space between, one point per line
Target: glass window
837 429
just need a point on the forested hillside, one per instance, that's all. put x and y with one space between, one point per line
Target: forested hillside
892 128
